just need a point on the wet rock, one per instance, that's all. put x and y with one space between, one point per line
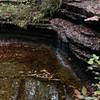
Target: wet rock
30 89
81 10
83 41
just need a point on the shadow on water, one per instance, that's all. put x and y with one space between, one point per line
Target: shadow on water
32 66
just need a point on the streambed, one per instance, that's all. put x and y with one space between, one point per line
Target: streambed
34 65
32 72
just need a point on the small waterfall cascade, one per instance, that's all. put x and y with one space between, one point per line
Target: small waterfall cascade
63 56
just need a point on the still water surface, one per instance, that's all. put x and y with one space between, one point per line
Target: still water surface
32 72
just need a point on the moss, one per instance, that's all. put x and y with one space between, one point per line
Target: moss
26 12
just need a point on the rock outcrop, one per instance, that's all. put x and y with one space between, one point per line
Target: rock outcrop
83 41
78 21
81 9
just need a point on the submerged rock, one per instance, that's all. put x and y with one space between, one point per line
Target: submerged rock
33 71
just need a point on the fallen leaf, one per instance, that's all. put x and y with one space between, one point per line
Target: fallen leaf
77 92
84 90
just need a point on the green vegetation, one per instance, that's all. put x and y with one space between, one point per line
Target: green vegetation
94 61
27 12
50 6
95 66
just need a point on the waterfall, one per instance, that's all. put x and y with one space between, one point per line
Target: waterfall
62 56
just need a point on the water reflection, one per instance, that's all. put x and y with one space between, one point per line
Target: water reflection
32 72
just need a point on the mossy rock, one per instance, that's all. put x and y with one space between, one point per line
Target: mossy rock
23 12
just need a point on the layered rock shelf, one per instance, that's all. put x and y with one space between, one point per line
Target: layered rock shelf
38 39
79 22
81 9
73 23
83 41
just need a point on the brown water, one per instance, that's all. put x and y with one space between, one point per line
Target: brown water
32 72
